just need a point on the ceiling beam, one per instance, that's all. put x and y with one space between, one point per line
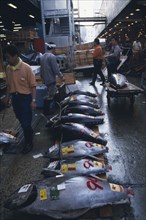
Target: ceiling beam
141 2
35 3
91 19
129 20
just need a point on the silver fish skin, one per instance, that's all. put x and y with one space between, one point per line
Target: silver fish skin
83 109
76 149
83 119
79 98
6 138
76 103
83 167
72 131
59 197
118 81
79 92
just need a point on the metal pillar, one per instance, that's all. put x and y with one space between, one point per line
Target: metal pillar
61 33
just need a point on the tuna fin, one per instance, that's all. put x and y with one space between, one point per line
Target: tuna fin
97 177
95 158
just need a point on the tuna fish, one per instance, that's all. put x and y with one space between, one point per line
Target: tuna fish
63 198
75 149
82 119
82 109
7 138
71 103
79 92
84 167
84 98
74 131
118 81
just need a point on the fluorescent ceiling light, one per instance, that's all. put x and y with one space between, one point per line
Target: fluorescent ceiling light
17 24
2 35
1 25
31 16
137 9
131 13
127 17
17 28
12 6
0 21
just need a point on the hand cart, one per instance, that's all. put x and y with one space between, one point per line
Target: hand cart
129 91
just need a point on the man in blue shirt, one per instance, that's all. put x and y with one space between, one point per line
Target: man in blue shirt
49 71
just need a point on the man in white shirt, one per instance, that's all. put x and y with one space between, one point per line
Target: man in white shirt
136 49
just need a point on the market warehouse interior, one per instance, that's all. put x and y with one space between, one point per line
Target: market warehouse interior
72 109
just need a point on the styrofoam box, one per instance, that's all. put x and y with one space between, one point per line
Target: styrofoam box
41 92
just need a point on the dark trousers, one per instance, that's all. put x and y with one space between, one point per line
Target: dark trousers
97 70
22 107
112 67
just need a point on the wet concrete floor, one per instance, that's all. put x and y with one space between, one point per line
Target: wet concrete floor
125 130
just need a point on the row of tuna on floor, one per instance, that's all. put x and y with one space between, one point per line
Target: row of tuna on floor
71 184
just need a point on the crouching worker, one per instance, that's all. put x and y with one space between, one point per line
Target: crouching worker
113 58
49 71
21 85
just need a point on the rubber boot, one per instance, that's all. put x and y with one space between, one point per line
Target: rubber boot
49 107
28 135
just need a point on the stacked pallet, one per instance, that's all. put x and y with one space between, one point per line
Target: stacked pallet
83 57
86 46
83 54
61 50
22 35
69 78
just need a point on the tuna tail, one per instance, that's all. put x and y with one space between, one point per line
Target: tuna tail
108 167
101 141
107 148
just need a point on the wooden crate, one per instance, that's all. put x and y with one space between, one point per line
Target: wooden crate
61 50
69 79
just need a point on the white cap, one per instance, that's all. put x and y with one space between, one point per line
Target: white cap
50 45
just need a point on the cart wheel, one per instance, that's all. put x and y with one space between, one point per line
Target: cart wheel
132 100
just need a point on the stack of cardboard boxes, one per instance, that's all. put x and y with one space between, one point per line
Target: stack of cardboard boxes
83 54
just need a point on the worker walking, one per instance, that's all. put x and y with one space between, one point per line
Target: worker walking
97 61
49 71
21 85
